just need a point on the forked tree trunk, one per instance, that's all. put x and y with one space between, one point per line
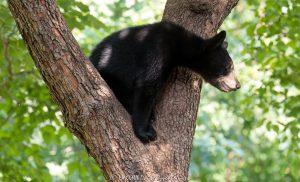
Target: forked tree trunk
91 111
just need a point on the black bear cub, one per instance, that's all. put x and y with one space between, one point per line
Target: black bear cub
137 62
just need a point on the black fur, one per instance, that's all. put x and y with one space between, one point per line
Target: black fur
137 62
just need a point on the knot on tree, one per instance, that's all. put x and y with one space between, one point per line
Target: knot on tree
200 6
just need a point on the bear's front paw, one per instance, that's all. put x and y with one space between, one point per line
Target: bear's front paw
145 134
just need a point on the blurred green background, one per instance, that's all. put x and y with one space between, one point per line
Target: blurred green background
249 135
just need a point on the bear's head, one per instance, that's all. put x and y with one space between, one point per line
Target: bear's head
217 67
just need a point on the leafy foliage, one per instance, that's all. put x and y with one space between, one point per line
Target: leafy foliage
249 135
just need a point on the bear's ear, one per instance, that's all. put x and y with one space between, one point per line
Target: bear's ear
225 45
216 41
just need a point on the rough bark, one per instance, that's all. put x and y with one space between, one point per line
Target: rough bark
91 111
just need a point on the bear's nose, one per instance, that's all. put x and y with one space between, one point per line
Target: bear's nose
238 85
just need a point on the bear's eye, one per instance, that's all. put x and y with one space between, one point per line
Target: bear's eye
226 70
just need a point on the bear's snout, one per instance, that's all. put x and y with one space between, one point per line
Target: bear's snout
228 83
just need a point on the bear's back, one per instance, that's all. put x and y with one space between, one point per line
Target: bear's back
130 57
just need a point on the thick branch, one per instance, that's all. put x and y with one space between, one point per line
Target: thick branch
90 109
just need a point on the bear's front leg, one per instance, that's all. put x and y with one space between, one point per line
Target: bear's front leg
144 99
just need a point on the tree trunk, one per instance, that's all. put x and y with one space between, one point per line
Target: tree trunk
91 111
